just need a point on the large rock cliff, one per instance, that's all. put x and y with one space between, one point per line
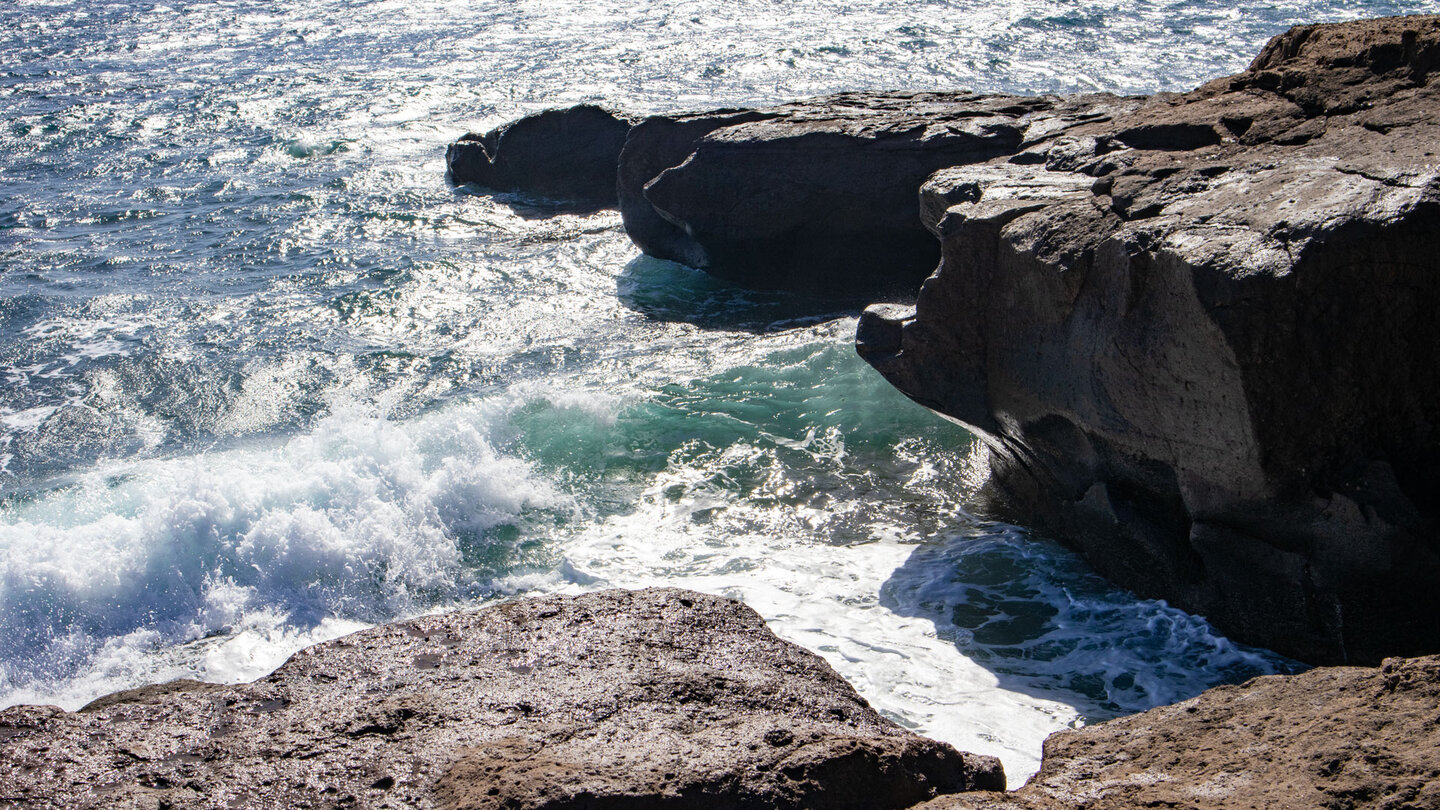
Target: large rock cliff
819 196
1200 341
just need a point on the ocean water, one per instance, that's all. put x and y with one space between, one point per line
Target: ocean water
266 378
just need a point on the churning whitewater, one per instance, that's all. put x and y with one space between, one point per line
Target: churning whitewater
269 379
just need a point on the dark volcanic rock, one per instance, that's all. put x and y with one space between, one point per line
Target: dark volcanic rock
819 196
1340 737
1201 343
568 155
649 699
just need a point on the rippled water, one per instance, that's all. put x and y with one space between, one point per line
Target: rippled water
267 378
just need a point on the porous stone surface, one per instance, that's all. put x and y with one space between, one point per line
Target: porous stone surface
1337 737
567 155
647 699
1199 341
819 196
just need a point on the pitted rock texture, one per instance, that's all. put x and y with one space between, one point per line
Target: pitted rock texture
567 155
1200 341
649 699
1337 737
819 196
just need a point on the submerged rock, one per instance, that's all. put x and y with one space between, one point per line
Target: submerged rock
567 155
1334 737
658 698
1200 341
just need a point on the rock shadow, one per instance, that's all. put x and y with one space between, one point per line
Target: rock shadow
672 292
1046 625
530 206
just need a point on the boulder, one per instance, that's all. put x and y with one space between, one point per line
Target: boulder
819 196
619 699
1199 341
1338 737
568 155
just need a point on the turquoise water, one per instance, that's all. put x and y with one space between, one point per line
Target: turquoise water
268 378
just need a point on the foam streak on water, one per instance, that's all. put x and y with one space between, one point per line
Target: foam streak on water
266 378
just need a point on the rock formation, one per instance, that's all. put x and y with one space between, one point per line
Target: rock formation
567 155
1200 341
1332 738
819 196
648 699
1195 332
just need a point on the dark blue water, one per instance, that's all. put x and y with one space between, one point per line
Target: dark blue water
267 378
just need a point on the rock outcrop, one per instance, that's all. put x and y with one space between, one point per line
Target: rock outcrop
819 196
1200 341
567 155
648 699
1338 737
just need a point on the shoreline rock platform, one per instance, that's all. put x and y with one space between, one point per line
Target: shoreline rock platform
1334 737
666 698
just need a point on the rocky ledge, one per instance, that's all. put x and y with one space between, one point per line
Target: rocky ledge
648 699
673 699
1337 737
1200 341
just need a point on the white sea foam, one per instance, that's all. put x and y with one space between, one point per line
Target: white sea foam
879 613
360 520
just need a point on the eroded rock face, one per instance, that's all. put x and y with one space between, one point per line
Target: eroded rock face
1334 737
819 196
648 699
1200 340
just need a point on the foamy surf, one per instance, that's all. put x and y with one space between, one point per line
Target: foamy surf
825 509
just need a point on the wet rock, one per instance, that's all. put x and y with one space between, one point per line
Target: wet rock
1333 737
819 196
567 155
1199 341
617 699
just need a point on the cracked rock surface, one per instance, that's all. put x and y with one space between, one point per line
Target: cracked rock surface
1199 340
648 699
